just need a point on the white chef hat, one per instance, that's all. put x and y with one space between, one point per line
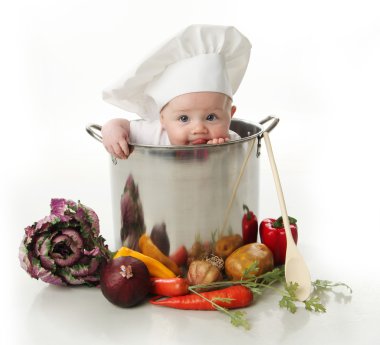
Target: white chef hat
201 58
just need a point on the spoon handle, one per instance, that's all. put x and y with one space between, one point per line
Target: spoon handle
280 194
296 270
236 186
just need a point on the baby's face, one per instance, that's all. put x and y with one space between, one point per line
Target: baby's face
195 118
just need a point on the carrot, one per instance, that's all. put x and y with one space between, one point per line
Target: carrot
232 297
169 286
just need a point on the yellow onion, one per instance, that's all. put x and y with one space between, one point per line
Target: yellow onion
203 272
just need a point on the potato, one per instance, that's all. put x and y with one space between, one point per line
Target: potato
243 257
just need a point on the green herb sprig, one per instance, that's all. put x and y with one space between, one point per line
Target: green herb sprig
274 280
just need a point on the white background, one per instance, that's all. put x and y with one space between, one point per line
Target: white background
315 65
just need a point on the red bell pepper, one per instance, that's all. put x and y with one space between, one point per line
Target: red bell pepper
249 226
272 234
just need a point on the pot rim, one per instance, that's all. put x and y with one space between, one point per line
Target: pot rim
94 130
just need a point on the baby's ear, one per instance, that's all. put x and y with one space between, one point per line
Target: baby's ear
233 109
162 120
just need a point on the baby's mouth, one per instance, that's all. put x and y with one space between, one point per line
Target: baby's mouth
199 141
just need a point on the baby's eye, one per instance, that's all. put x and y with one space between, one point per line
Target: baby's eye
211 117
183 118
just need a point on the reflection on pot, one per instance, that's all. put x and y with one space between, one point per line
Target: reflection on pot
198 154
160 238
132 215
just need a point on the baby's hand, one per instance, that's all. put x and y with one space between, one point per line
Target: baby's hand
115 139
218 141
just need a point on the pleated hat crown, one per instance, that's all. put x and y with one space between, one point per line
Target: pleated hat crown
201 58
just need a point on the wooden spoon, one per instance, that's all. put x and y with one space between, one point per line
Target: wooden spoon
296 270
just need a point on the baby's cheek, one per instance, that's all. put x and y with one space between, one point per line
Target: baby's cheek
222 132
177 140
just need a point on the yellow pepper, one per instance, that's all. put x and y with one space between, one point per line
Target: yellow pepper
155 268
150 249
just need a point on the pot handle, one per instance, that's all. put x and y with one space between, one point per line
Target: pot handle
275 121
94 130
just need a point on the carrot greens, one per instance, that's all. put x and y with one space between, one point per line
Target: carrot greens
272 280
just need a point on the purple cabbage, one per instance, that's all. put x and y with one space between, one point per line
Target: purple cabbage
65 247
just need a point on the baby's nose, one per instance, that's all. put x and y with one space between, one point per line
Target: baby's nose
200 128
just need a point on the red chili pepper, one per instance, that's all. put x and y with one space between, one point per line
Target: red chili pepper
272 234
238 297
249 226
169 286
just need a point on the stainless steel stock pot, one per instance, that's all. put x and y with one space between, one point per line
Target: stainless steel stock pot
190 192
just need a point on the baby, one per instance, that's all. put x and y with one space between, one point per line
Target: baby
190 119
183 92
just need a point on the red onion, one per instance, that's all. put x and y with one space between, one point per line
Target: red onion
125 281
